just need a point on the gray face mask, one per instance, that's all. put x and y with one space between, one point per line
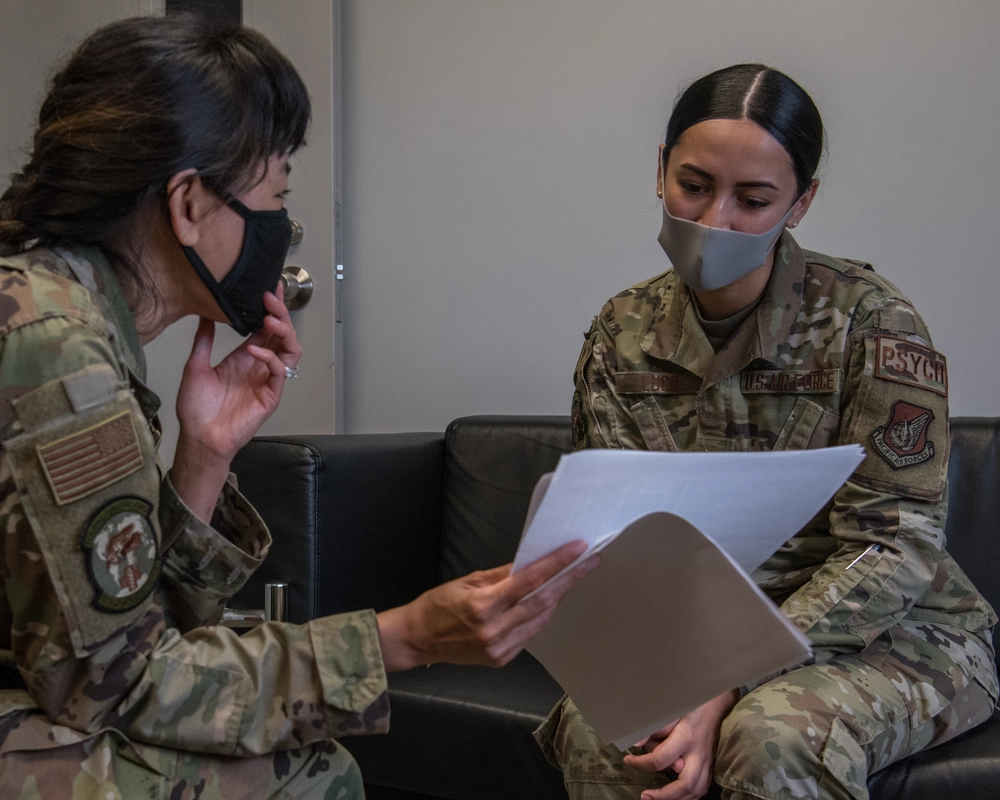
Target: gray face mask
709 258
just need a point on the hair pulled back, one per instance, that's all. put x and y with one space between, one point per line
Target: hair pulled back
139 101
762 95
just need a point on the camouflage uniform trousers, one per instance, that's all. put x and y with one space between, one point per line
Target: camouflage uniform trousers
816 732
106 767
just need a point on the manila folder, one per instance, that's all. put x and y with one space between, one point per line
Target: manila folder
666 623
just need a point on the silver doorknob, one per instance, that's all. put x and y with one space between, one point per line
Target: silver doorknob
298 287
297 232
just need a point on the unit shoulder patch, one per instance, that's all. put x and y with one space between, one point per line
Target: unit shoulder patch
122 554
908 362
902 440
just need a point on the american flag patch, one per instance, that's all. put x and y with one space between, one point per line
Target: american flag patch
81 464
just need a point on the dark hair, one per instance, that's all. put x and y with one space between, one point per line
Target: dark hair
139 101
762 95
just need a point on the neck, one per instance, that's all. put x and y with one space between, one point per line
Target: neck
731 299
173 279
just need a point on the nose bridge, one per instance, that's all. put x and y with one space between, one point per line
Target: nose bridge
716 213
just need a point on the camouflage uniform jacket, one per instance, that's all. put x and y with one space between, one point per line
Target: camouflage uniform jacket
109 585
834 354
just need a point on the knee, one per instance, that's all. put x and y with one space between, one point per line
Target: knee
591 768
757 751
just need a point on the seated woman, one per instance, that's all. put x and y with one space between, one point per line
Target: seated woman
154 191
751 343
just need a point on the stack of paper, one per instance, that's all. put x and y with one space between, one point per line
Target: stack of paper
671 618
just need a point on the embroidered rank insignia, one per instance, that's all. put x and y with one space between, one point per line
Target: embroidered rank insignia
908 362
902 441
122 554
92 459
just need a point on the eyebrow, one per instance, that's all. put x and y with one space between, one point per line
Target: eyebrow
288 168
740 185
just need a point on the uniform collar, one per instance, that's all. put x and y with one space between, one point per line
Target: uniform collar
679 337
91 268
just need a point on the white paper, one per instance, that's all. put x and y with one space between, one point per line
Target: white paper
671 618
748 503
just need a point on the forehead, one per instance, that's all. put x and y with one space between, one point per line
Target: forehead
737 148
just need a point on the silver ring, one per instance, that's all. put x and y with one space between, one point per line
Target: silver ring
291 372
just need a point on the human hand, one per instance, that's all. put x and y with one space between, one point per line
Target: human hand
220 408
687 746
483 618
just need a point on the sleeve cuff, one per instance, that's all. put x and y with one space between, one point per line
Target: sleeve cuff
351 670
216 561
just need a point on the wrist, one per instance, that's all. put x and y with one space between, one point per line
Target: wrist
725 702
400 639
198 475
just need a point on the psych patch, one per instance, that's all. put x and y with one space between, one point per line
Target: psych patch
86 462
902 441
122 554
908 362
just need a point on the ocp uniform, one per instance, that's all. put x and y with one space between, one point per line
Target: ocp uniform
111 585
833 354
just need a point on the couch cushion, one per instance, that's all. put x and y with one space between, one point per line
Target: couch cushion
966 768
458 732
491 467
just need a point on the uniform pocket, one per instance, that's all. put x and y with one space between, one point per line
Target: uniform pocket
652 426
845 761
808 426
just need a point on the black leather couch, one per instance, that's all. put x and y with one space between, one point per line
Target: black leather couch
373 520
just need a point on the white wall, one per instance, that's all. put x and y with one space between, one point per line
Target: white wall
34 36
499 166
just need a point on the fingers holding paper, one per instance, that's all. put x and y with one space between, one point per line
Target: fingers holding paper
486 617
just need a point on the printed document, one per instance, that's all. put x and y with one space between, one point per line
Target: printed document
671 618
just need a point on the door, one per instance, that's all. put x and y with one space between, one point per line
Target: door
310 404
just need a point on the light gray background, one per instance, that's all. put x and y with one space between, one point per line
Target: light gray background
499 172
499 164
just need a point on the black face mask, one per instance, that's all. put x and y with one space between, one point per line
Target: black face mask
257 269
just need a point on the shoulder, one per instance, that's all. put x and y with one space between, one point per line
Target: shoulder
638 306
868 299
39 284
51 327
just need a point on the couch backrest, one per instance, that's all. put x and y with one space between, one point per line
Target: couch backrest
491 467
492 464
974 502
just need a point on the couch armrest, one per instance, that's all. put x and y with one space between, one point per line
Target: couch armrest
356 519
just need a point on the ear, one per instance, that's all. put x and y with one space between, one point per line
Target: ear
802 206
659 171
186 204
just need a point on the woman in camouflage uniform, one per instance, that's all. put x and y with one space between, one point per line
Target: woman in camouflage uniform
155 190
751 343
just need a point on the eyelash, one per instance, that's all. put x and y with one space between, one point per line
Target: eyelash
284 194
751 203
